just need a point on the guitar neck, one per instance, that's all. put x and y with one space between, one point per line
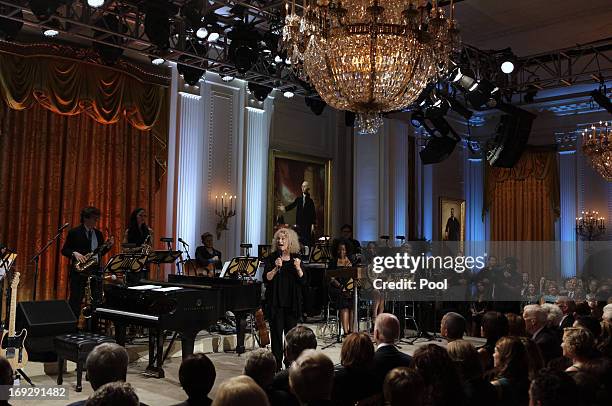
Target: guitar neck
12 312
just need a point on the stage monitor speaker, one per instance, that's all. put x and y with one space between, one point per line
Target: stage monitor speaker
512 136
437 149
45 318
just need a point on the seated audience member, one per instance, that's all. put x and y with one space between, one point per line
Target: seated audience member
311 378
240 391
494 326
567 307
552 388
452 326
105 364
601 369
6 377
587 388
354 378
404 387
553 315
547 340
516 325
115 394
579 346
604 344
442 382
297 340
582 309
511 372
534 356
197 375
261 366
387 356
478 390
590 323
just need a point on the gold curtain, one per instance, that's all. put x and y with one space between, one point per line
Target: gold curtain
30 75
523 204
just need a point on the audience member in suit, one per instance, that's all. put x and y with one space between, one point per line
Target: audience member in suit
387 356
105 364
553 388
115 394
404 387
354 378
6 377
311 378
478 390
494 326
568 307
511 372
261 366
534 356
197 375
297 340
240 390
442 382
81 241
546 339
452 326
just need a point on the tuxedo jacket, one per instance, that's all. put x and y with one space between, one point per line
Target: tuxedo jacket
549 343
306 214
77 241
387 358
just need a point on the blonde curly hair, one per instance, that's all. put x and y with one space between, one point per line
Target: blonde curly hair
292 240
578 341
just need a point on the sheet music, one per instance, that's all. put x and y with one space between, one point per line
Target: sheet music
145 287
168 289
225 266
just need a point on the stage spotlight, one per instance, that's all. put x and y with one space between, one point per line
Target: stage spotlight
157 23
10 28
227 78
316 105
443 138
260 92
459 108
243 48
51 28
95 3
600 98
483 93
507 67
191 75
416 118
288 93
213 37
202 32
157 60
44 9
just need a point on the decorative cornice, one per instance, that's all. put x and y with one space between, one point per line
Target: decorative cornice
152 74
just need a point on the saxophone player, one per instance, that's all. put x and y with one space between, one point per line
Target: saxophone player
80 241
139 234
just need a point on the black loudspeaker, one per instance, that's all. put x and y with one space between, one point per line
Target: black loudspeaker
44 320
512 136
437 149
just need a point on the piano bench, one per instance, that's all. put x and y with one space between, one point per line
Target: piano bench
76 347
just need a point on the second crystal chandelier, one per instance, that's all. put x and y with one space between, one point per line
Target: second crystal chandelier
369 56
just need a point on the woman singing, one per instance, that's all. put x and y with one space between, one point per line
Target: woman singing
284 279
138 233
342 289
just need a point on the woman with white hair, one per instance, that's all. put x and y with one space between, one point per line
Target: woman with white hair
284 278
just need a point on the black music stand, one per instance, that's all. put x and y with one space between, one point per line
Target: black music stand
163 257
320 254
127 262
242 268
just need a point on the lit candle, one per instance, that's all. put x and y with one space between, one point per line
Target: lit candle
216 204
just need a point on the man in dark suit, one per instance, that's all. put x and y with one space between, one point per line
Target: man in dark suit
452 231
568 307
387 356
81 241
306 215
547 339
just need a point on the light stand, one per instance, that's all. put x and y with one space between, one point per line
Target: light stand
36 258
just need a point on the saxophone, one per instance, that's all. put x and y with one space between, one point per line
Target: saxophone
91 259
87 310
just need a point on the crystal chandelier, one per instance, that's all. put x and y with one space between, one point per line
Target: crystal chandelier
589 225
369 56
597 146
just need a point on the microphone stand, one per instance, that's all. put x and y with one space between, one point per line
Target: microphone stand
36 259
186 248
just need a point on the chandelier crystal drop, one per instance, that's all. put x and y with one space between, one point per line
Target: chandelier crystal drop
597 146
369 56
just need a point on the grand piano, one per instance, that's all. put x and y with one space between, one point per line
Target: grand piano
182 305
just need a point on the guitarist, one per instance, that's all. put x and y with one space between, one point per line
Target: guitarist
81 241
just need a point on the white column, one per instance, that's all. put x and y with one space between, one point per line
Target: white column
567 191
474 223
398 144
189 182
172 152
366 183
256 174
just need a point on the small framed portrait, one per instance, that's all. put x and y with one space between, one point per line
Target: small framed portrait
452 219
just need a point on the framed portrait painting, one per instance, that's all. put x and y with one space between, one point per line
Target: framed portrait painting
288 175
452 219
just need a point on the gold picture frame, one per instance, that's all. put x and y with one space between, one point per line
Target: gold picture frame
444 207
286 172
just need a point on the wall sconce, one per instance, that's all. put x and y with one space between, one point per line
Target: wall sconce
224 212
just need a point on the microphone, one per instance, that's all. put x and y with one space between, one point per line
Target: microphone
182 242
62 228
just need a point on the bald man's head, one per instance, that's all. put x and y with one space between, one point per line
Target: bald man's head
386 328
